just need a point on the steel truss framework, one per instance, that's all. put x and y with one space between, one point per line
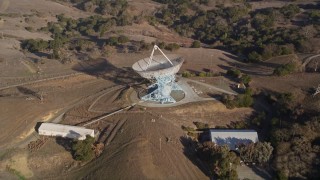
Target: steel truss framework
163 87
317 91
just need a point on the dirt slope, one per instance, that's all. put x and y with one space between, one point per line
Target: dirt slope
135 153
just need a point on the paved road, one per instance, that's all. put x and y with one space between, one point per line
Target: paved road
252 172
56 119
309 59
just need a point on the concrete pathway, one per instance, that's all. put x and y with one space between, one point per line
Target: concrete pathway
190 94
254 173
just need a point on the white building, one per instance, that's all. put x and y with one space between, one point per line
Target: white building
73 132
233 137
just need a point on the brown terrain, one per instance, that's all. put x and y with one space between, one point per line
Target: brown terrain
139 143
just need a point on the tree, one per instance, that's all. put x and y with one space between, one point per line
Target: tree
245 79
113 41
123 39
289 11
34 45
285 69
234 72
254 57
259 152
221 160
82 150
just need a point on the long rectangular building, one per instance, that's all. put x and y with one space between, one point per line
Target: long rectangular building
60 130
233 137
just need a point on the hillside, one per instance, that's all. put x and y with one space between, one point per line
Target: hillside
69 62
135 153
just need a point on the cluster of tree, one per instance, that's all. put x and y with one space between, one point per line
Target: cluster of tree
270 50
241 100
238 28
259 152
192 131
294 134
68 30
189 74
81 45
34 45
114 41
314 16
289 11
83 150
39 45
297 148
221 161
104 7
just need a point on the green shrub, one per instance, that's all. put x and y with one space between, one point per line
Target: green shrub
254 57
161 45
234 73
202 74
113 41
290 10
245 79
123 39
211 74
187 128
187 74
201 125
285 98
285 69
144 45
239 125
242 100
196 44
172 47
29 28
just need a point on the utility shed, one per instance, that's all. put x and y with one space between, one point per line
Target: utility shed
73 132
233 137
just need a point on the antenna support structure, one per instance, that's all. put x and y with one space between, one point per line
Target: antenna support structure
163 83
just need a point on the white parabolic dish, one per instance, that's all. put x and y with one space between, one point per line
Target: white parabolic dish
159 66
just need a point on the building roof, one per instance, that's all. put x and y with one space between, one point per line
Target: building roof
67 129
233 137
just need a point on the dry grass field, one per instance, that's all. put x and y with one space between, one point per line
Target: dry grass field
139 143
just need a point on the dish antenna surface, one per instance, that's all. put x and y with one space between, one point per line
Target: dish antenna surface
161 70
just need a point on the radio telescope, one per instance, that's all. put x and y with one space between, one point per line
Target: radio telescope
160 70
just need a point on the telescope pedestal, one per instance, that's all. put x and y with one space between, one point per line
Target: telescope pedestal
163 87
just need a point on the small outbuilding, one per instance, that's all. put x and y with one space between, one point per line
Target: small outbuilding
233 137
60 130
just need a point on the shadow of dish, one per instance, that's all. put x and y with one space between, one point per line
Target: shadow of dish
102 68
